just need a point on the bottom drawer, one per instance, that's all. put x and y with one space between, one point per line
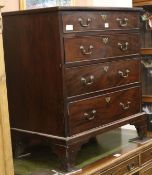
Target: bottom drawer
96 111
124 168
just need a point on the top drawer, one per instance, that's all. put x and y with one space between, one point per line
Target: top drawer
104 20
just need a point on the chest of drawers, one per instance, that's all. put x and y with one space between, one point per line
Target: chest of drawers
72 73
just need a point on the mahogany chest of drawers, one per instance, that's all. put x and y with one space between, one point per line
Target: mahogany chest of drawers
72 73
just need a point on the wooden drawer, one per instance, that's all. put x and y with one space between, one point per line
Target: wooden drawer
85 79
97 111
100 47
147 170
146 156
103 20
124 168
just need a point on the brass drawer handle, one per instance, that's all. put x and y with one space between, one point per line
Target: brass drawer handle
87 81
86 51
123 46
131 166
90 115
124 74
86 24
123 22
125 107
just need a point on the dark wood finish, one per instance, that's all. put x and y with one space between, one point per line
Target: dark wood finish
113 74
29 67
85 21
141 127
73 8
79 48
97 111
44 105
67 155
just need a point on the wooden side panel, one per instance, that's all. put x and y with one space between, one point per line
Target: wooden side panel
34 72
6 162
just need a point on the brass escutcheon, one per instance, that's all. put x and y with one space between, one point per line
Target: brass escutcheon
104 17
105 40
108 99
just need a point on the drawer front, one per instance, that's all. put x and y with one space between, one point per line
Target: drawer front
124 168
104 20
146 156
147 170
97 111
100 47
85 79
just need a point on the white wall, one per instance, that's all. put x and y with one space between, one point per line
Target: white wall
113 3
11 5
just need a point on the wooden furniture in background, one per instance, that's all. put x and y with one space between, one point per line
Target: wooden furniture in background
134 160
70 75
141 3
6 162
146 49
